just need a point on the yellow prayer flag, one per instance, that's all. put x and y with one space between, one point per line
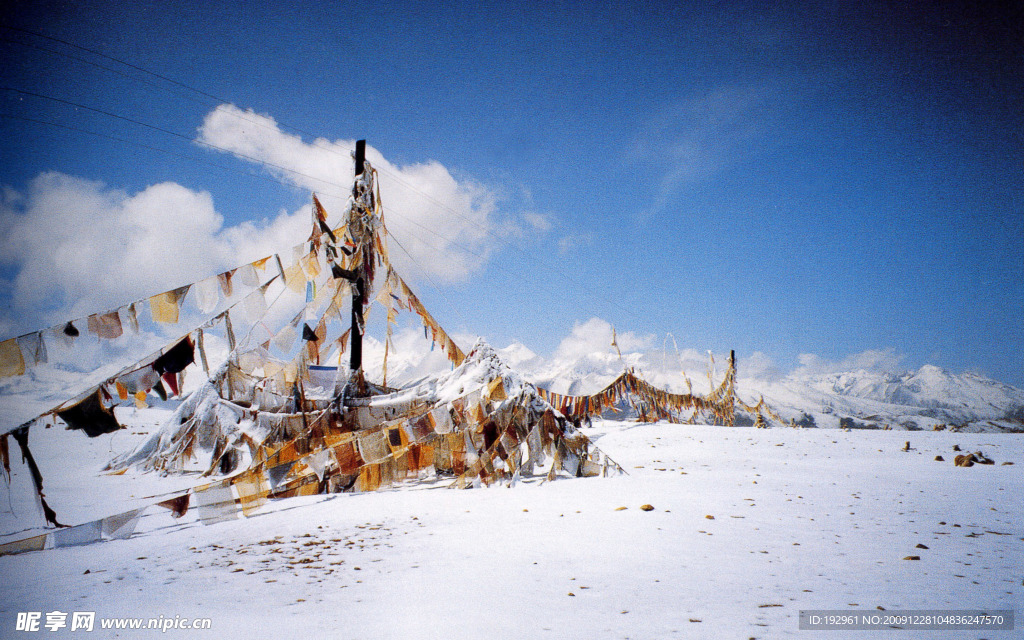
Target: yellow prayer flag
165 306
11 361
294 278
310 265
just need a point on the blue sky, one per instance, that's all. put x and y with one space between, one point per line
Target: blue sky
833 179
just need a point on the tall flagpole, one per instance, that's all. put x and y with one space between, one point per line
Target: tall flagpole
356 346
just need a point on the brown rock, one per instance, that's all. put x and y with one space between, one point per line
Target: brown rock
621 508
963 461
981 458
921 546
912 558
956 447
710 517
939 459
646 507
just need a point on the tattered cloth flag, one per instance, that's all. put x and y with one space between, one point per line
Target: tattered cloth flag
308 334
178 506
11 361
142 379
120 526
321 218
80 534
164 307
216 503
33 348
91 416
176 358
21 437
106 326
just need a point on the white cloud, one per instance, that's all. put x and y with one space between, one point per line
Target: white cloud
449 226
79 247
872 360
759 366
537 221
574 241
595 335
697 137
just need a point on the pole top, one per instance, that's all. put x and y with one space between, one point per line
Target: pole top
360 156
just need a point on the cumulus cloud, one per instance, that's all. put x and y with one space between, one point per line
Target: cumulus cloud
77 247
595 336
872 360
448 226
758 365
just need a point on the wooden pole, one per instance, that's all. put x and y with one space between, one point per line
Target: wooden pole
356 346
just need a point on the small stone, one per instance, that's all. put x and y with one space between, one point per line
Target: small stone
621 508
1007 463
695 620
956 447
572 594
646 507
912 558
921 546
939 459
709 517
87 572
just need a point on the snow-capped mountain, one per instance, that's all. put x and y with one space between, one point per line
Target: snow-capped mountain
925 399
922 399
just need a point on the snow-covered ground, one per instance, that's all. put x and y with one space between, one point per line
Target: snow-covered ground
748 527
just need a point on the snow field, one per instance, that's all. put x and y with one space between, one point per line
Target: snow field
802 519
